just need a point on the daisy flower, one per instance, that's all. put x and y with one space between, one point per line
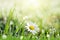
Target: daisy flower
32 27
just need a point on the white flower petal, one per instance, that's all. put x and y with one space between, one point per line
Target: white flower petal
36 29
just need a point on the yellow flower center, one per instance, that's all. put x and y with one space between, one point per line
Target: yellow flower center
31 27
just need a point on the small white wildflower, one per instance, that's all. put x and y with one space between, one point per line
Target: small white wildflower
21 37
11 22
33 28
48 35
25 18
4 36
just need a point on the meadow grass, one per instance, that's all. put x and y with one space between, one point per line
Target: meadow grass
18 31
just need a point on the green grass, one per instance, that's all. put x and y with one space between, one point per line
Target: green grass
25 33
29 38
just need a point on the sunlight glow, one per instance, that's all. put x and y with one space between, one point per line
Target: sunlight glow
30 4
30 7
